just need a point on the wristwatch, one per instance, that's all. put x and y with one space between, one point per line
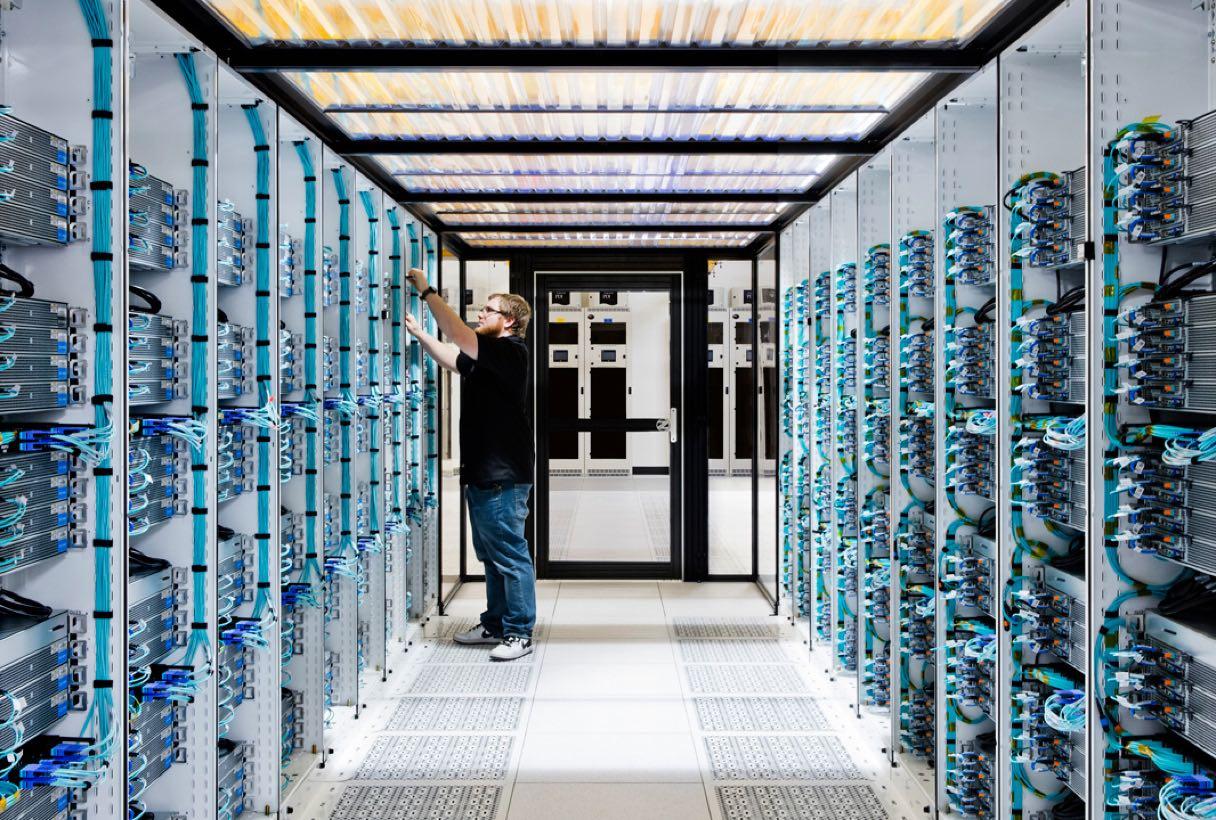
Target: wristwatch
427 293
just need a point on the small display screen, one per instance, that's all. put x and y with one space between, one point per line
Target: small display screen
561 355
563 333
608 333
749 355
747 296
766 333
607 355
608 297
713 334
559 297
743 333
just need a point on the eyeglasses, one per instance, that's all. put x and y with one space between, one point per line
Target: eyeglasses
488 309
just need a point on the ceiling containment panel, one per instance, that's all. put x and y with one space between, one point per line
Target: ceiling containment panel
728 214
609 239
606 173
557 23
490 105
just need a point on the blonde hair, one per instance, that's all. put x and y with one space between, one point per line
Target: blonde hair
515 307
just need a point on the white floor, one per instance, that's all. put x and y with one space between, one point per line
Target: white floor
643 701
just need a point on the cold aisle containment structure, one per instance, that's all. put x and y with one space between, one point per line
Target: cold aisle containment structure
900 310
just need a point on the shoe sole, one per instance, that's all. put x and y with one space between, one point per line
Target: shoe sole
477 641
523 654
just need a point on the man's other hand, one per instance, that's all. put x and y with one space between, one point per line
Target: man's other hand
418 279
412 325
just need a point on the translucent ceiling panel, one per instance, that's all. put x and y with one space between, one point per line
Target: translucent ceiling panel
783 173
606 105
607 213
570 239
610 22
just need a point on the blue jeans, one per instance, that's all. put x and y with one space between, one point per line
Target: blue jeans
497 514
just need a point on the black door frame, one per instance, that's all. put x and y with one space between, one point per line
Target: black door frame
546 282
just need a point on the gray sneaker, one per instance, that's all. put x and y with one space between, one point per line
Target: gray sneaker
478 635
511 648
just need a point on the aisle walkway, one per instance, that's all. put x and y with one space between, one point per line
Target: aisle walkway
645 701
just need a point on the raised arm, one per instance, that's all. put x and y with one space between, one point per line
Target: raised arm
450 323
443 354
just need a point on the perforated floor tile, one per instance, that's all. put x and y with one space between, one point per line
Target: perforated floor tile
744 680
437 757
798 802
452 652
486 679
418 803
429 714
805 757
759 715
724 650
724 628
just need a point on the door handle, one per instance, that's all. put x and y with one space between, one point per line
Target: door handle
672 427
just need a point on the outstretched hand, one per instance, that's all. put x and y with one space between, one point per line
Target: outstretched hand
417 278
412 325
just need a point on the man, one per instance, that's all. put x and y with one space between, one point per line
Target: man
496 458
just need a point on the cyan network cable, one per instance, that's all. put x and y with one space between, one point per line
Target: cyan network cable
266 418
373 352
198 643
311 570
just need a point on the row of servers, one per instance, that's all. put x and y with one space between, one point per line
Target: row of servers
997 432
213 432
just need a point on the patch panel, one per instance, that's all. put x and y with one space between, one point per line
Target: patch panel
233 244
43 202
234 361
154 746
158 469
43 491
236 465
291 362
1067 615
291 266
292 713
155 617
156 354
43 653
970 782
41 352
156 240
293 438
232 777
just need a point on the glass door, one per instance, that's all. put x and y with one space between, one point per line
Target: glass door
607 426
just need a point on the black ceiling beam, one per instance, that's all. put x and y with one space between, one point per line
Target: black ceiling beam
575 197
378 146
429 108
351 57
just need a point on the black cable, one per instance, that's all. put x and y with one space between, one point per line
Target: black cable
926 326
149 298
1070 302
19 606
1174 287
987 523
1188 595
223 533
984 316
25 288
141 562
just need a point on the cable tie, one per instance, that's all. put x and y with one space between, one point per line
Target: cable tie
199 163
262 536
199 106
264 584
199 279
310 179
103 114
101 42
103 327
261 147
201 338
101 256
102 614
101 185
198 468
103 398
101 683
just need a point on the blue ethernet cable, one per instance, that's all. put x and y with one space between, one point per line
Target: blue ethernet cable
347 405
374 368
99 721
200 321
430 498
311 571
396 523
263 604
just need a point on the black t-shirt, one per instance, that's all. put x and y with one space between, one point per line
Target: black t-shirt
495 425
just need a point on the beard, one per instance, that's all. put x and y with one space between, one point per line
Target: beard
485 330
